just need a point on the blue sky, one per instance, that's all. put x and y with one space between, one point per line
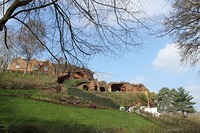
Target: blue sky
156 64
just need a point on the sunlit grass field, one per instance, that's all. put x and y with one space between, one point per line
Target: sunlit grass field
56 118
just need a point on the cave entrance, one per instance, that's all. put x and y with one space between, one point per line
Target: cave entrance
85 87
95 88
116 87
102 89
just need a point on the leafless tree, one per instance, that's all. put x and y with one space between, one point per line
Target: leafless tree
6 55
28 43
183 24
78 29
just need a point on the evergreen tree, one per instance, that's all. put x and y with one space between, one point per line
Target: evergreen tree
182 101
165 100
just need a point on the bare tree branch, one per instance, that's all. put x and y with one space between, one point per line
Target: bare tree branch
16 4
183 25
35 35
79 29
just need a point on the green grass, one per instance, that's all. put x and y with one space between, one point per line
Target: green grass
102 101
73 82
15 80
18 92
175 123
15 110
7 76
124 98
22 115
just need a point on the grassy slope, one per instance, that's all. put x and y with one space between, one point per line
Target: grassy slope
123 98
194 117
15 110
55 118
14 80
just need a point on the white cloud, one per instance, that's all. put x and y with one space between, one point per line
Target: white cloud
193 88
155 7
140 8
168 59
137 80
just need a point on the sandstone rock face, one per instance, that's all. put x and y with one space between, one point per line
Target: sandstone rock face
89 85
102 86
63 77
74 72
139 87
126 87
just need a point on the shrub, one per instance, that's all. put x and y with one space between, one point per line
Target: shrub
73 82
92 97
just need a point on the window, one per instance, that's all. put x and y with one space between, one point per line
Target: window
45 68
35 68
17 66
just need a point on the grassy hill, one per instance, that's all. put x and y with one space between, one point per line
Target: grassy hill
16 80
15 112
31 104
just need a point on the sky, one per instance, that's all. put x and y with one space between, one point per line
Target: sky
156 64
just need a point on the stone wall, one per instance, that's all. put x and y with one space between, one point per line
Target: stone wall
34 66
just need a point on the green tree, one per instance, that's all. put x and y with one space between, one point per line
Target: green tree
143 99
152 98
183 24
165 100
77 29
183 101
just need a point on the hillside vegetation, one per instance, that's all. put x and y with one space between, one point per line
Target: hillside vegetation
31 104
16 80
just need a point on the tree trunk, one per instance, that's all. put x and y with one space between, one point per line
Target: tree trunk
183 114
28 60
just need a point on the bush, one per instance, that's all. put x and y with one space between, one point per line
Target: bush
124 98
93 98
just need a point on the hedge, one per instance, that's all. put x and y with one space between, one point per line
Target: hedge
92 97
